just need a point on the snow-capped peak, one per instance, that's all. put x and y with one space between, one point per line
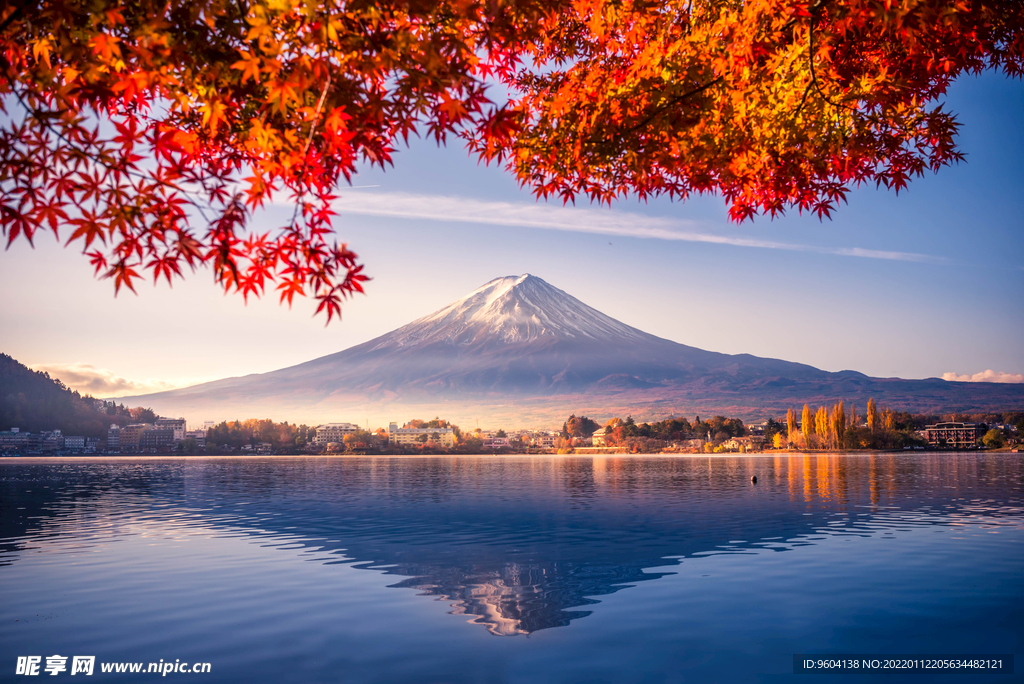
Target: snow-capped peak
512 309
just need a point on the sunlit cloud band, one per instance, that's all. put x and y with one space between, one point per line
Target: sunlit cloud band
101 382
579 220
985 376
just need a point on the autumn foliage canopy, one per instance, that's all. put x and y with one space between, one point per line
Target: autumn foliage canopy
149 132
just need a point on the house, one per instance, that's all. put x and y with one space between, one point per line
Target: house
752 443
177 425
758 429
156 438
114 437
598 438
953 435
444 436
333 433
199 436
13 440
129 437
546 441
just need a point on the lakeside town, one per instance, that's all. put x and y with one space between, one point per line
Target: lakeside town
42 416
827 430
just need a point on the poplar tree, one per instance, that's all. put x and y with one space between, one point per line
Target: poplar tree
807 426
872 416
821 423
838 427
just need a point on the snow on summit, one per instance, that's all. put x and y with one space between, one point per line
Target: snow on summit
522 351
512 309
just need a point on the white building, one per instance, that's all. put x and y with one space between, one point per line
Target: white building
333 432
199 436
176 424
114 437
545 441
443 436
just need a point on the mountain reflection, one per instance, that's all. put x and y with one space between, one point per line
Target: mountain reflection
519 544
516 598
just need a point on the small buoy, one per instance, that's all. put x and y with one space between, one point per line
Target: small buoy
753 479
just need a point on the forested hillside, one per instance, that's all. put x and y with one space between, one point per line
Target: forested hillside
34 402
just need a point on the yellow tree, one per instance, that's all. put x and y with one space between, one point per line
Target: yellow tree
807 426
872 416
837 427
821 423
791 425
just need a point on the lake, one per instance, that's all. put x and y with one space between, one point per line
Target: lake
524 569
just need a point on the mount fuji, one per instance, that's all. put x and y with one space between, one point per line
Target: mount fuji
522 351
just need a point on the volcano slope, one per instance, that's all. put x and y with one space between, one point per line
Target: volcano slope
522 352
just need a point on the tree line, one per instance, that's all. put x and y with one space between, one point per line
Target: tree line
34 402
836 426
650 436
880 427
236 434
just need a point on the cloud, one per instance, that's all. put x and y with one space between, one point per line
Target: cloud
101 382
580 220
985 376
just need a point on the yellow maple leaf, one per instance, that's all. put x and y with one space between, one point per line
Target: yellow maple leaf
249 65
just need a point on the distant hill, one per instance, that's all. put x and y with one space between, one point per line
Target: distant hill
519 351
33 402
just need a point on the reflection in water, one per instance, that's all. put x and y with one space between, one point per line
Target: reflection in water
520 543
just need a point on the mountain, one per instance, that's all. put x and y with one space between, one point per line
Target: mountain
522 351
32 401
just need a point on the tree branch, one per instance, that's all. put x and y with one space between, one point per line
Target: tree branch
674 101
18 9
814 78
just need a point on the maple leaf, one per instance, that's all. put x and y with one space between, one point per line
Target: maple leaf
772 104
453 109
249 65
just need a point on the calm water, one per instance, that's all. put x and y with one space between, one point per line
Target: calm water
512 569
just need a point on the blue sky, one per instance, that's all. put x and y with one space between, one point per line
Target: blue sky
936 289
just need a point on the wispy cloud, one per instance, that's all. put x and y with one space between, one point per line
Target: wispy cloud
580 220
101 382
985 376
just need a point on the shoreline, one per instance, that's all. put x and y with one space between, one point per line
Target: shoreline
223 457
